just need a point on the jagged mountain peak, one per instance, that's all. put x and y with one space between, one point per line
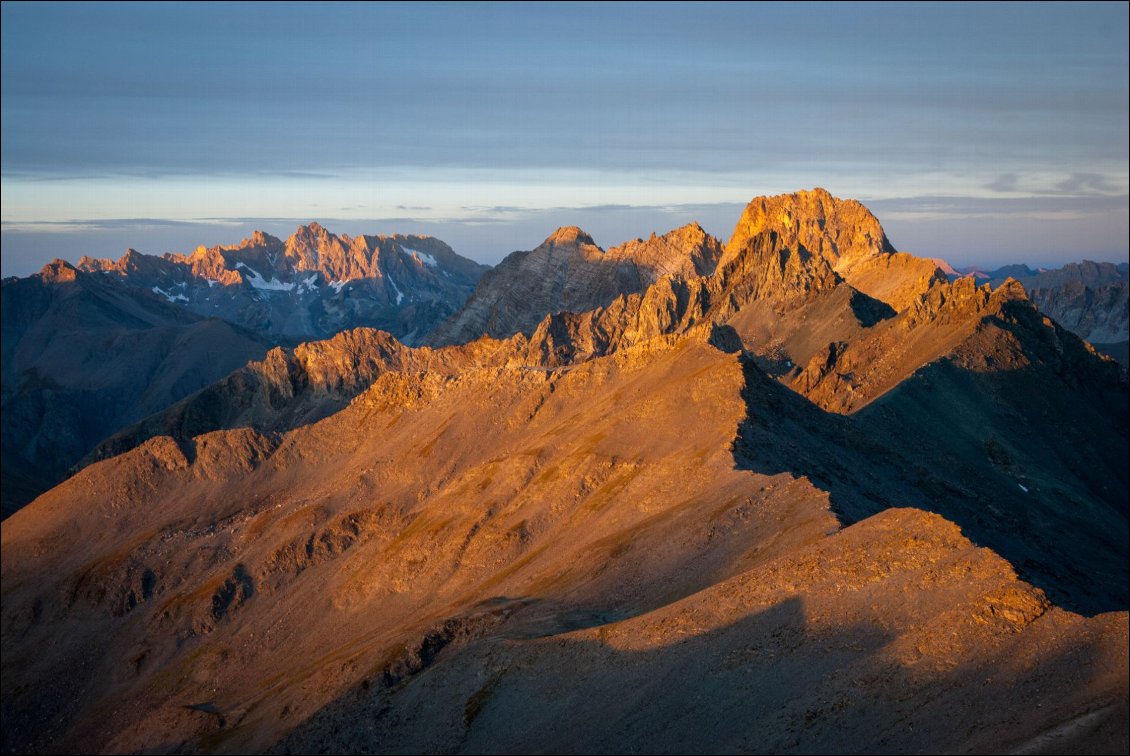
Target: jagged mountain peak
313 233
570 273
847 235
688 251
57 271
258 239
569 235
313 228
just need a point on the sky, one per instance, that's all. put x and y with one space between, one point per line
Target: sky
980 133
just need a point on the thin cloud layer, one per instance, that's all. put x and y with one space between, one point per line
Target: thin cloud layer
418 111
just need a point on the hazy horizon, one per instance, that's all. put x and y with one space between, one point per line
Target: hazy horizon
981 134
478 240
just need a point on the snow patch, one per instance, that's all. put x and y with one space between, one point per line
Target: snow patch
258 282
423 257
399 293
336 285
307 284
168 296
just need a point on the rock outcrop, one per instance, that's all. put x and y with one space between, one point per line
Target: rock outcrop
844 233
568 272
1092 300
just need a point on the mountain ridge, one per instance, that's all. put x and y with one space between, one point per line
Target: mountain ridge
745 489
313 284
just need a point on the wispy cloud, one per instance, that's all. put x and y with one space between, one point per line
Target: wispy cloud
1014 208
109 224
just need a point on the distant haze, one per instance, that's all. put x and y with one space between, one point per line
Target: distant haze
979 133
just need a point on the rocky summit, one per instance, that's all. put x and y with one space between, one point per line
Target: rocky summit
568 272
796 492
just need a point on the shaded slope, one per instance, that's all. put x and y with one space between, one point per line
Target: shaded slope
1052 504
1092 300
84 356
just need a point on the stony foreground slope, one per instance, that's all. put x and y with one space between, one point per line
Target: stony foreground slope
756 510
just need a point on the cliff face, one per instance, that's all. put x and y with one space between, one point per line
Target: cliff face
312 285
841 231
844 233
1098 312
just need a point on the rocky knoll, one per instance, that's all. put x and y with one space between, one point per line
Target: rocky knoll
295 386
569 272
312 285
1092 300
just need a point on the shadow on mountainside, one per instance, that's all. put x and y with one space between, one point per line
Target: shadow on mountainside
792 677
1024 460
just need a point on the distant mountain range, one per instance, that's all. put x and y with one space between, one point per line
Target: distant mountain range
312 285
793 492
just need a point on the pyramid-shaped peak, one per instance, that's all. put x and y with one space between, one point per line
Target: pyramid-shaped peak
58 270
313 228
569 235
691 230
261 239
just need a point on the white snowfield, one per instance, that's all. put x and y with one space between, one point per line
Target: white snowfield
258 282
423 257
168 296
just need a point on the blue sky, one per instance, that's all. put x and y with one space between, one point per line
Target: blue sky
979 133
